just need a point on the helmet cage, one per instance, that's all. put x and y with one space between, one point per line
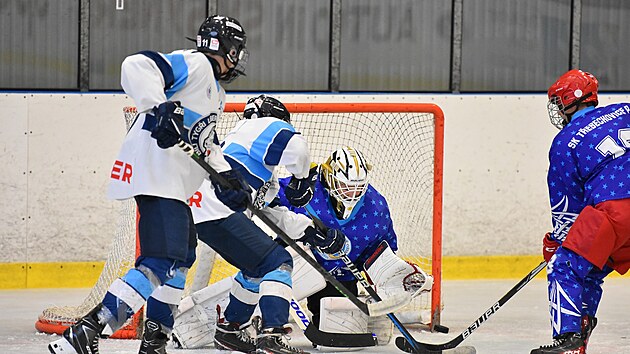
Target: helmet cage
345 175
558 112
266 106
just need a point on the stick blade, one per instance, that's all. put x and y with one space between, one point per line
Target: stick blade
347 340
403 345
389 305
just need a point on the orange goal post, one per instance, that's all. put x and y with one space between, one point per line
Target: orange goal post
403 141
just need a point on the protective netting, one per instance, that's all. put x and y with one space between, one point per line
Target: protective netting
120 258
401 146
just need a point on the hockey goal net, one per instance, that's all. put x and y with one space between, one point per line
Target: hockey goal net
403 142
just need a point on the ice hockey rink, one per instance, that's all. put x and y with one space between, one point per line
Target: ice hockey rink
519 326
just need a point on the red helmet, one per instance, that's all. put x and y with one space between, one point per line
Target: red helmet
572 88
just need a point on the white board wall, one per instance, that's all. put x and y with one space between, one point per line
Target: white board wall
57 150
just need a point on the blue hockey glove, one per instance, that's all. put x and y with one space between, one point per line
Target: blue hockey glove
299 191
237 195
331 242
170 124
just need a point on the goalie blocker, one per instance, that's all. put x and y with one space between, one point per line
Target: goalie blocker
195 322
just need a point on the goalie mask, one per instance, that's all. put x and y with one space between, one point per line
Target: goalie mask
345 177
570 90
225 37
266 106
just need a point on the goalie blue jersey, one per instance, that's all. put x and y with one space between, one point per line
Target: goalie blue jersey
368 225
588 163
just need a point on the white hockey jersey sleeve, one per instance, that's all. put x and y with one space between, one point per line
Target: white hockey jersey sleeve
292 223
296 157
142 79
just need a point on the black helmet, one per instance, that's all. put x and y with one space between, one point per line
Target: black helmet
224 36
266 106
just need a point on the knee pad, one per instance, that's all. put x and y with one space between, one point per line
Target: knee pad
160 269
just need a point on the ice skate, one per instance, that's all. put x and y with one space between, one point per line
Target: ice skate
566 343
80 338
154 338
272 341
588 324
232 336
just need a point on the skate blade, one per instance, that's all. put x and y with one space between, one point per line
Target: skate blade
61 346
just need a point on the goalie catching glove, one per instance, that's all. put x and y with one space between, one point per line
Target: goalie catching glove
170 124
390 274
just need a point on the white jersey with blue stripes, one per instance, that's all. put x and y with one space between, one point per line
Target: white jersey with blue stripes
151 78
255 147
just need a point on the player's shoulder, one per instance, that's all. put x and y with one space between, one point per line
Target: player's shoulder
278 123
192 58
616 106
375 198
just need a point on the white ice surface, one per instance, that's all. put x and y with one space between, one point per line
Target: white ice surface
519 326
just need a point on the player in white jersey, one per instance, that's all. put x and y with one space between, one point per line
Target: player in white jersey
258 144
344 204
178 96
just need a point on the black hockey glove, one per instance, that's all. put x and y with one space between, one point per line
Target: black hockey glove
331 242
299 191
237 195
170 124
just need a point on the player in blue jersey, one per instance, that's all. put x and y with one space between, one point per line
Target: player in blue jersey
588 184
178 97
344 199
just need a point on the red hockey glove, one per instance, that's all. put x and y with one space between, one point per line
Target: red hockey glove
550 246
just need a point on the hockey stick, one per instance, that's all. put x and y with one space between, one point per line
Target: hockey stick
364 283
374 309
410 345
319 337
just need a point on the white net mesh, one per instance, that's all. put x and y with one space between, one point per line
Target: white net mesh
120 258
399 145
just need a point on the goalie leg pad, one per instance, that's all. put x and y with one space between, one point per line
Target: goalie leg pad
196 320
306 279
382 327
340 315
390 274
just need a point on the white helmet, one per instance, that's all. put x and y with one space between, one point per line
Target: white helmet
345 176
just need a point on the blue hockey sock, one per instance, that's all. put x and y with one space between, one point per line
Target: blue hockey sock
566 274
164 300
243 299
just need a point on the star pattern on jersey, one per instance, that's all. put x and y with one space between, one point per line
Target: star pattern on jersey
366 228
587 172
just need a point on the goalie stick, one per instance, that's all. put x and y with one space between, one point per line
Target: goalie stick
374 309
409 344
364 283
328 339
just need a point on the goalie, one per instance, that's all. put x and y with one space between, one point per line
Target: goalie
347 205
343 199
